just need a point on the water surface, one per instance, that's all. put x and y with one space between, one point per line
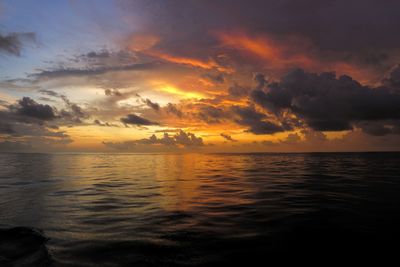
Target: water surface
204 209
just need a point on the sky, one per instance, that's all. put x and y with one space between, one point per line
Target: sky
199 76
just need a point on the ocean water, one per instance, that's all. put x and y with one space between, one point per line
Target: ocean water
205 209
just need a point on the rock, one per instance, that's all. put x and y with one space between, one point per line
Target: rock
23 246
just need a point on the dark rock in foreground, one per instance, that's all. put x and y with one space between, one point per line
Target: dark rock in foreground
23 246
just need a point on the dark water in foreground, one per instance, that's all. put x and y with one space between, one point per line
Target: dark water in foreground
204 210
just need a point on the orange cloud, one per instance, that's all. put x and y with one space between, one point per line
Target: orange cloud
279 55
210 64
146 44
170 89
264 47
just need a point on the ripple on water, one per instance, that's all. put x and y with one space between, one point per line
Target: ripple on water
203 210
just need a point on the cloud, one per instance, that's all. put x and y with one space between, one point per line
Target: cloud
210 114
226 73
187 139
104 124
73 113
311 18
112 92
104 58
328 103
151 104
261 80
228 137
30 126
173 109
295 139
257 122
379 128
137 120
193 62
30 108
84 72
49 93
292 138
13 42
238 91
392 78
216 78
100 54
179 139
274 36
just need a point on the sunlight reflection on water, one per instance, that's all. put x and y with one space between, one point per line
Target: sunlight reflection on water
172 209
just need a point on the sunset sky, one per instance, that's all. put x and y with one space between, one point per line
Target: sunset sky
199 76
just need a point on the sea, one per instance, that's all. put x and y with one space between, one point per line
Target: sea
206 209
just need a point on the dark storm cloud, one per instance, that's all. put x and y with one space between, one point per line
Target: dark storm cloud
374 58
30 108
137 120
28 125
380 128
257 122
355 37
12 43
180 138
13 123
28 118
333 25
329 103
28 111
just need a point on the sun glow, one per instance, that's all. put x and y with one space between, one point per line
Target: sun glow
170 89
